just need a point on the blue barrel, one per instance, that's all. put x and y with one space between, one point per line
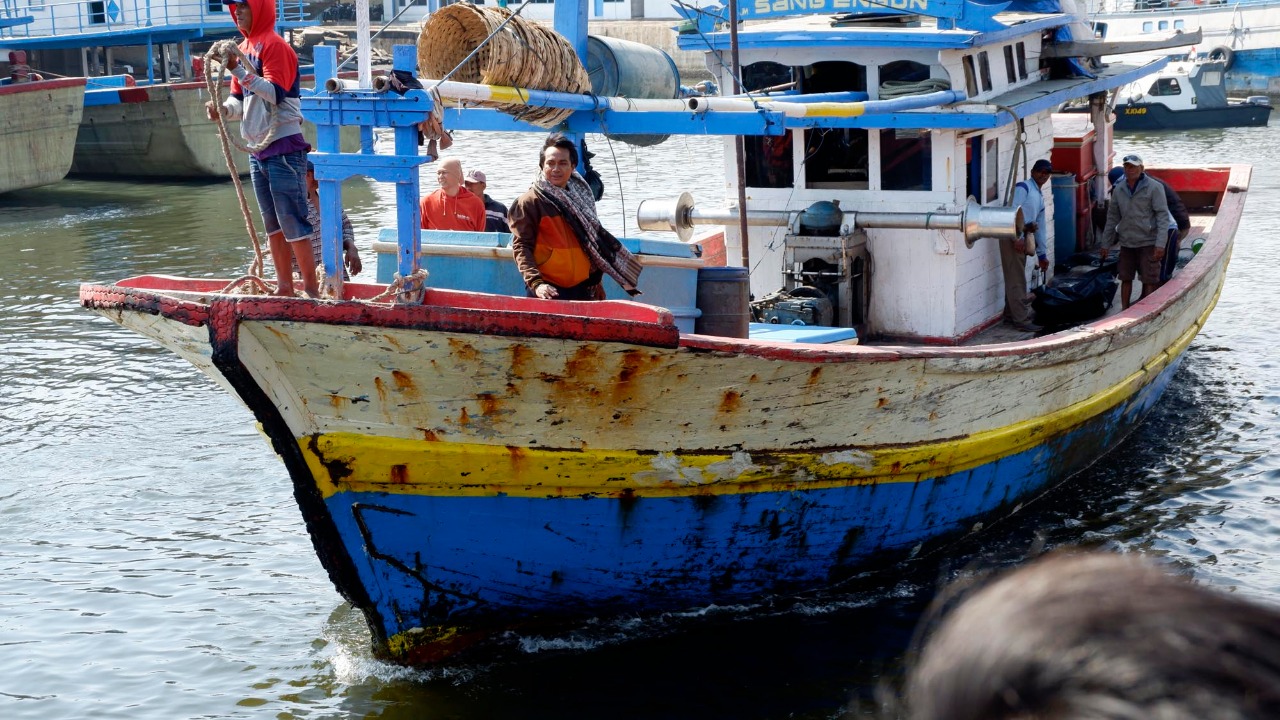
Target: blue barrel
621 68
724 298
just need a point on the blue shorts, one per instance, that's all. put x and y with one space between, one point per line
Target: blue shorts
280 182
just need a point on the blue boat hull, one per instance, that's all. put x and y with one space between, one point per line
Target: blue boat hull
469 567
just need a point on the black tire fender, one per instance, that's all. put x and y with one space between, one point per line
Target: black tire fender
1225 54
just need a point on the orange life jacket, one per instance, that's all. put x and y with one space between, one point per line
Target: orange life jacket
558 254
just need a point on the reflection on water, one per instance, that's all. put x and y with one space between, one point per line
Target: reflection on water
154 563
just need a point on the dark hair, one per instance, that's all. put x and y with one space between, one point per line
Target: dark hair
1077 637
559 141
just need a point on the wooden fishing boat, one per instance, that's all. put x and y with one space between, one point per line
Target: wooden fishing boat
38 122
469 462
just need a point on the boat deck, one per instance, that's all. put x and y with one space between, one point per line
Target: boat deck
1002 332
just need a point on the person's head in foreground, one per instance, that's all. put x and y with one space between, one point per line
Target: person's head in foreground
1097 636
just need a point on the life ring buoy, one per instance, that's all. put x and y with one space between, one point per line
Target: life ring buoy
1225 54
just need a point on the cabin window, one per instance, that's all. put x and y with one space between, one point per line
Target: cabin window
1100 30
984 70
1164 25
1165 87
1210 78
833 76
970 77
973 166
1010 71
904 71
906 159
215 6
1021 49
835 157
768 159
991 171
1179 24
1148 26
97 12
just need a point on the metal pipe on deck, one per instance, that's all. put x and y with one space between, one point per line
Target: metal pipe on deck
976 221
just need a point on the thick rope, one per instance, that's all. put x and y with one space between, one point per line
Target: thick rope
405 290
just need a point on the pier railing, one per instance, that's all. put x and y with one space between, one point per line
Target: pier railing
69 18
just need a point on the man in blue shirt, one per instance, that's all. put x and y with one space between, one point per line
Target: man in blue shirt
1013 254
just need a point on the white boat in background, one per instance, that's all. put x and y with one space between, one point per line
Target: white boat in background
1184 96
1244 35
38 121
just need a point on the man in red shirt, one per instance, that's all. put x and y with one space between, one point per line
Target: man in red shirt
452 207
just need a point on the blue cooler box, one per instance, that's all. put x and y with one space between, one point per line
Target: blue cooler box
482 262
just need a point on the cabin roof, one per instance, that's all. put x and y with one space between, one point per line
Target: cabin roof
821 31
1024 101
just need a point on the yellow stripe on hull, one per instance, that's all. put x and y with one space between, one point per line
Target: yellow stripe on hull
349 462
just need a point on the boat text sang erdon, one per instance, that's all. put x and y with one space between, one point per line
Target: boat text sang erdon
468 462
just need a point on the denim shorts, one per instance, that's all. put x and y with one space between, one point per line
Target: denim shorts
280 182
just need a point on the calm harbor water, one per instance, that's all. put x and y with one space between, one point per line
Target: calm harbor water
153 563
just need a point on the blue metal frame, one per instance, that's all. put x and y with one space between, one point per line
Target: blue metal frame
368 110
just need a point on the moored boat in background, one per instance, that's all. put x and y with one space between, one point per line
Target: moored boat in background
38 121
1243 35
1184 96
143 114
468 462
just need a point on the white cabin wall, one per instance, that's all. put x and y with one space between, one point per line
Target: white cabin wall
909 282
979 294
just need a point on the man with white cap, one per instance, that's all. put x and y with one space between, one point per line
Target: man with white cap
1137 220
495 213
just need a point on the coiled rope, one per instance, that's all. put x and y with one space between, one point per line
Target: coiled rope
507 50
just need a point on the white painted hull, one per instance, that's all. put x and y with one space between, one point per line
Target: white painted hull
37 131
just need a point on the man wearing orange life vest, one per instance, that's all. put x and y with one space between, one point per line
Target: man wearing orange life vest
559 245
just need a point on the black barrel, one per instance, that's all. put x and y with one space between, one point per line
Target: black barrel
724 297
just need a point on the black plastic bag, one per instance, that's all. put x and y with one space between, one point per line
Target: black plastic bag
1074 298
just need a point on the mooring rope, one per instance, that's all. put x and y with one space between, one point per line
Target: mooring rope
405 290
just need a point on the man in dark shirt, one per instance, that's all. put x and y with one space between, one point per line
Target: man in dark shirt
495 213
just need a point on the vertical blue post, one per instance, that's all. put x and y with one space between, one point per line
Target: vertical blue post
330 191
408 215
570 21
151 62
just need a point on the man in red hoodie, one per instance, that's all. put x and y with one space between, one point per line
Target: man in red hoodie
265 98
452 207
